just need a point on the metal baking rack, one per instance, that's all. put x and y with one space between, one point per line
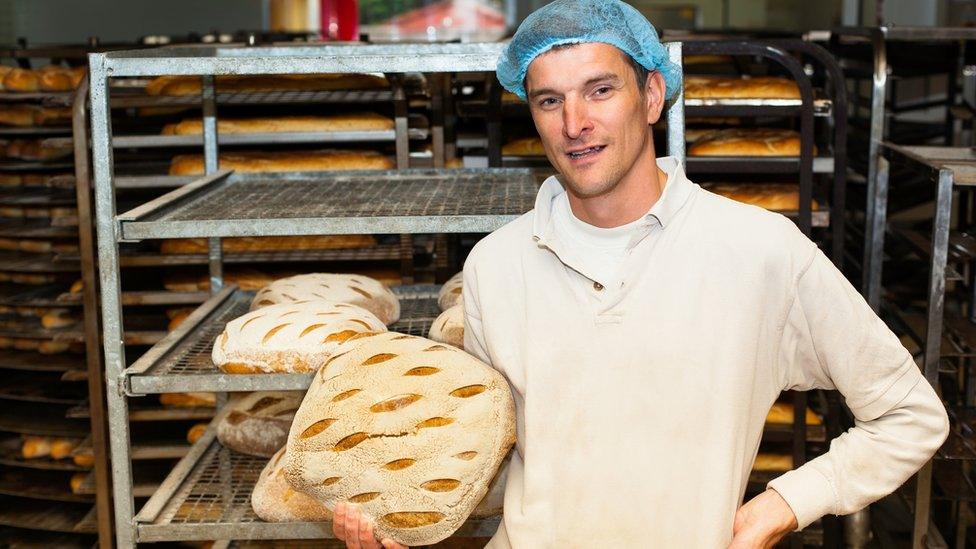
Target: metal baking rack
39 484
50 516
942 318
181 362
879 57
10 454
419 201
35 494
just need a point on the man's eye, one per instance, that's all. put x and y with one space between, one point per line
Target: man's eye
547 102
603 90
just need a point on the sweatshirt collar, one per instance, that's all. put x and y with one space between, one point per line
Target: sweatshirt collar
677 188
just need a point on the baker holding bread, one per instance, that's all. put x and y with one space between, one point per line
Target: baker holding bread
646 326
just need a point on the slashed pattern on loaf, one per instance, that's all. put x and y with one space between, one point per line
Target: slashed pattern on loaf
411 429
448 327
274 500
450 293
359 290
290 337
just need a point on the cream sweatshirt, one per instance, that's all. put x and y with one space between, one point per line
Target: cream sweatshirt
639 414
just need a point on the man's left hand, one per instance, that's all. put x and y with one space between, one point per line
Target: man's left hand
762 521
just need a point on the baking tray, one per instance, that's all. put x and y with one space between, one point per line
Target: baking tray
39 484
11 359
40 388
10 455
31 419
182 362
26 262
266 138
34 228
29 295
360 202
214 501
36 539
52 516
37 197
148 410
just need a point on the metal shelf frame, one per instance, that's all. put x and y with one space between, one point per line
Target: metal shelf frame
948 169
879 38
208 62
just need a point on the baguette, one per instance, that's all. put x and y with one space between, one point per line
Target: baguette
364 121
268 243
763 87
285 161
191 85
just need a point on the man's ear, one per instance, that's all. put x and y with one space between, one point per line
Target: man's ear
654 93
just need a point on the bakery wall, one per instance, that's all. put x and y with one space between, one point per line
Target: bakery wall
47 21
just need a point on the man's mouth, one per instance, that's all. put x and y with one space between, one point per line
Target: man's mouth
583 153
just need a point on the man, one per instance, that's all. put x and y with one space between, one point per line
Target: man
646 326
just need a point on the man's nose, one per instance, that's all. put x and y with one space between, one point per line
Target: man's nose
576 119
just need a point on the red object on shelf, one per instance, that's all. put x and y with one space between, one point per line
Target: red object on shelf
339 19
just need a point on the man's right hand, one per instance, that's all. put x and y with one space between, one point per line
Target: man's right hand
356 529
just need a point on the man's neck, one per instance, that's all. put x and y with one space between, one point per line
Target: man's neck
637 192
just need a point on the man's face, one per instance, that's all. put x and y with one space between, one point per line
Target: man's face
590 114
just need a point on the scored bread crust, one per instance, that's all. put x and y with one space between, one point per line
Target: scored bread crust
782 197
762 87
448 327
274 500
450 293
258 422
191 85
411 430
354 289
285 161
753 142
289 337
355 121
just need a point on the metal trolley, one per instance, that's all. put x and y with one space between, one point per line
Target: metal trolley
206 496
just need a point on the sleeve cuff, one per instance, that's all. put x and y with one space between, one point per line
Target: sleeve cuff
807 492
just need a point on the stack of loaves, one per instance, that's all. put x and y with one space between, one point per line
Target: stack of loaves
414 431
448 327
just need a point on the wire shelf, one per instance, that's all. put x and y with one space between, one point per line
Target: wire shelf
377 202
214 500
185 364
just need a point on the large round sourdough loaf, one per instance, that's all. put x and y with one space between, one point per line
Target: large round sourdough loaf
450 293
358 290
289 337
411 430
448 327
258 422
274 500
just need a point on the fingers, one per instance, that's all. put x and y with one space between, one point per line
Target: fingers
339 521
352 528
390 544
366 537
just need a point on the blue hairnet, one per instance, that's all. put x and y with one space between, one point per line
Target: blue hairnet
582 21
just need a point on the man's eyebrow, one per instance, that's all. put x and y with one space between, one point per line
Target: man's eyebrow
603 77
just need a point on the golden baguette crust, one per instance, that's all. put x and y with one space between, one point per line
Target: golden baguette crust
362 121
21 80
190 85
286 161
269 243
752 142
763 87
782 197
